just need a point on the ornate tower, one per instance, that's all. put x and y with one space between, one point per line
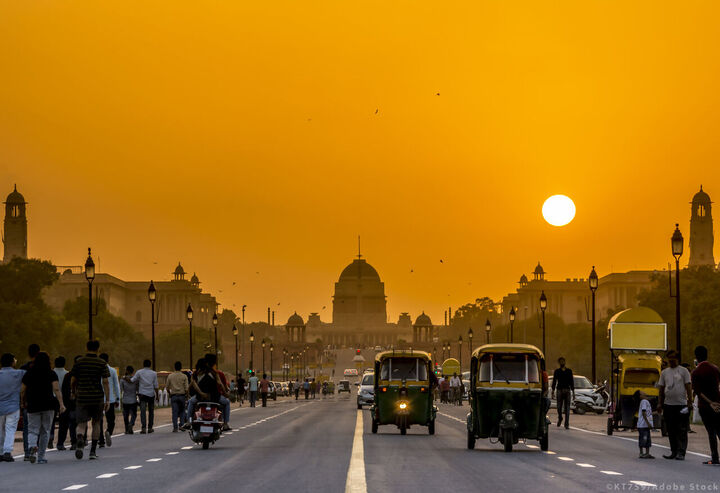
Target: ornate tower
15 227
701 231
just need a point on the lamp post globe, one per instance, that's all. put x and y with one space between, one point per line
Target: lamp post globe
252 351
235 335
470 346
511 316
488 328
189 314
460 341
543 307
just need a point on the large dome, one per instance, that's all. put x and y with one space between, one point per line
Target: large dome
295 320
15 197
701 197
359 269
423 321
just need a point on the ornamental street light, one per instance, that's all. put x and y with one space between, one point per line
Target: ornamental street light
235 334
152 296
271 360
252 350
190 319
593 282
242 338
543 307
262 343
215 324
90 276
512 322
460 351
470 336
677 251
488 328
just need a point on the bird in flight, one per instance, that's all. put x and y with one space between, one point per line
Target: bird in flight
412 270
441 261
376 110
323 307
257 272
233 283
437 93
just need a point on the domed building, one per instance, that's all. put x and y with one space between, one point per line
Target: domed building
15 227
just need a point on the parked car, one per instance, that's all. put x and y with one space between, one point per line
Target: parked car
366 391
272 391
585 392
343 386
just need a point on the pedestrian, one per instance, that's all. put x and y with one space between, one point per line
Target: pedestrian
147 381
67 422
38 386
10 387
177 388
313 388
306 388
455 384
211 359
445 390
675 403
644 423
114 400
92 390
129 399
705 381
33 350
241 389
60 371
253 388
264 387
564 382
297 388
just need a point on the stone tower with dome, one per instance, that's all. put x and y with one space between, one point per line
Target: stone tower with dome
701 231
15 227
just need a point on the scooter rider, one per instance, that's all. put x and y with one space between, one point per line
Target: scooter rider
205 383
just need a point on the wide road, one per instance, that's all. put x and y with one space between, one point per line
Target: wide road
326 445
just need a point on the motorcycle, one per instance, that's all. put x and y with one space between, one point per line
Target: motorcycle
206 425
596 401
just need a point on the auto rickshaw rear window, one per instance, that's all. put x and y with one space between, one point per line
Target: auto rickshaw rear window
509 368
640 377
410 369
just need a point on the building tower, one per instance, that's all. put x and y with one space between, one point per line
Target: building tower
15 227
701 231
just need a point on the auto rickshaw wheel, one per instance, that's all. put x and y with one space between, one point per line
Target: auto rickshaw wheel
374 426
508 440
544 445
471 440
431 427
206 444
610 426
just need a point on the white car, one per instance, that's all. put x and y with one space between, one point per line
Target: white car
584 388
366 390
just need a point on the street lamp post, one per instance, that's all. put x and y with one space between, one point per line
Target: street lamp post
152 296
252 351
593 282
292 363
189 313
677 251
543 307
470 336
512 322
262 343
90 276
271 360
215 324
488 328
235 334
460 351
286 376
242 339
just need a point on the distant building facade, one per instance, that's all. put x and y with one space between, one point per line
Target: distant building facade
15 227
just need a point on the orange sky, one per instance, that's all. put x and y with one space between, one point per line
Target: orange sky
241 137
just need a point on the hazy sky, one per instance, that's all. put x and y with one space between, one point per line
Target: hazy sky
254 140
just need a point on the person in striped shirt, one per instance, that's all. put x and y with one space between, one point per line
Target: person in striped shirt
92 391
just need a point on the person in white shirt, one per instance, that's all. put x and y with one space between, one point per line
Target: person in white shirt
644 423
455 385
675 403
147 392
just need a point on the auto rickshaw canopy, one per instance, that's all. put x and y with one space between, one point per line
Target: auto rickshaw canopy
418 372
404 353
508 348
508 365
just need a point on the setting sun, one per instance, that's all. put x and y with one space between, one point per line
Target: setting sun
558 210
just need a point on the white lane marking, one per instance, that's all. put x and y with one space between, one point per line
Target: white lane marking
132 468
172 453
187 448
531 446
566 458
74 487
156 459
644 483
612 473
452 417
356 482
549 452
582 464
107 475
634 440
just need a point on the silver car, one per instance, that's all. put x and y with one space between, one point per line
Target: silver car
366 390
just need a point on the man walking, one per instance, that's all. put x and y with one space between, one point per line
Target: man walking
129 400
67 421
90 383
10 386
564 382
33 350
675 403
253 388
177 388
241 389
264 387
114 400
60 371
147 382
705 381
455 385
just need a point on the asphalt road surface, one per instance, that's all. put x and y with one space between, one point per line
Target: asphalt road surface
327 446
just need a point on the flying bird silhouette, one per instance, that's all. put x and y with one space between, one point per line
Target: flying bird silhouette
412 270
376 110
437 93
233 283
441 261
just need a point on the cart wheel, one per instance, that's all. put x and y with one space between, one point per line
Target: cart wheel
471 441
610 426
507 440
544 445
374 426
206 444
431 427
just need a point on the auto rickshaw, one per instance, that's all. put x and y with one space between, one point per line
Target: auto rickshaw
632 372
507 395
403 393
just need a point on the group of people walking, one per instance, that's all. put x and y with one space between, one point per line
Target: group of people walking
450 390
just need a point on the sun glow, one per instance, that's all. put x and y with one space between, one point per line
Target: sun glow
558 210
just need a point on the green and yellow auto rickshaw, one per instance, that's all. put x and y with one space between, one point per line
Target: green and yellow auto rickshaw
507 395
403 393
632 372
